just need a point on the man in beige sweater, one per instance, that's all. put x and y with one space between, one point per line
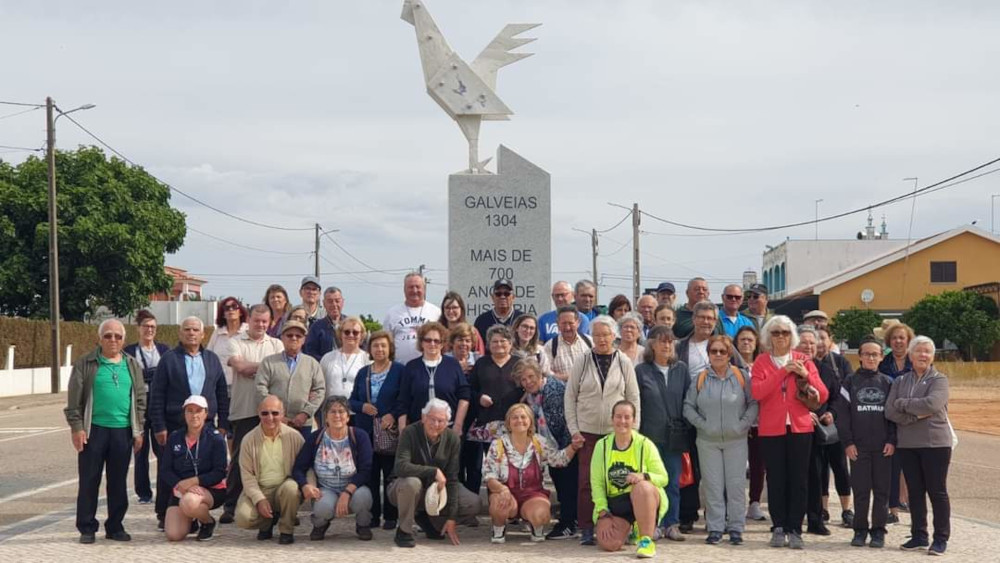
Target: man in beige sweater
294 377
266 458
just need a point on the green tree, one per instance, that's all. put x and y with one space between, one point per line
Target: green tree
115 225
854 324
371 325
967 319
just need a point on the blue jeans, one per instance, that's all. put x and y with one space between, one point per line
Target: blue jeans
672 461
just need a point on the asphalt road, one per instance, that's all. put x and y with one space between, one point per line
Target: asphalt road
38 468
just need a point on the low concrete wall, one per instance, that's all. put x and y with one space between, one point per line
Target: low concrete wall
31 381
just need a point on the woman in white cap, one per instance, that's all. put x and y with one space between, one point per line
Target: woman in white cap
195 472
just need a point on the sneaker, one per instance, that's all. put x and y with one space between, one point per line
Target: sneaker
633 535
937 548
389 525
319 532
878 539
847 518
714 538
145 500
904 507
914 544
686 527
755 513
499 536
537 535
286 539
120 535
364 533
826 515
735 538
673 533
265 534
87 538
159 524
892 519
860 537
645 549
227 518
403 539
795 541
778 538
587 537
818 529
205 533
195 525
561 532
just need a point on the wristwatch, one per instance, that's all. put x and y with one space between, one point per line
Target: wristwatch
645 476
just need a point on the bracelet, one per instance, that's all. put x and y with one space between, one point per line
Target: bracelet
349 493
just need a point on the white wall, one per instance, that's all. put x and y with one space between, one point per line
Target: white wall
32 381
173 312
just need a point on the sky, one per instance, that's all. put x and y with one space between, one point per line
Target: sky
733 114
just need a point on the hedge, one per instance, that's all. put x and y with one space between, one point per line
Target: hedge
33 339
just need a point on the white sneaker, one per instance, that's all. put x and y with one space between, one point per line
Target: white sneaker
755 513
500 537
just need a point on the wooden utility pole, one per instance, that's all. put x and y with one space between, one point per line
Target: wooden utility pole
636 283
316 252
53 243
593 245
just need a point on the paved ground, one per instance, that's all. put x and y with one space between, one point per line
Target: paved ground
37 491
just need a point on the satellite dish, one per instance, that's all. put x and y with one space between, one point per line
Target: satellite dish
867 296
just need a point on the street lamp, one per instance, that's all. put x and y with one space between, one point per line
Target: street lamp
50 118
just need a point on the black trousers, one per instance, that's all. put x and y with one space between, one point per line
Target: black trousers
926 472
471 465
382 464
690 501
786 459
234 481
108 450
896 471
143 488
870 477
162 490
565 479
836 461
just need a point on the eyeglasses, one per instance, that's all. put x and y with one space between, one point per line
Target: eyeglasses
148 327
501 293
871 355
113 336
437 421
781 333
733 297
352 333
231 307
432 340
754 296
293 335
270 413
717 352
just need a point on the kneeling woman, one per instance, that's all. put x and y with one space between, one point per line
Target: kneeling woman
195 470
514 469
627 478
340 460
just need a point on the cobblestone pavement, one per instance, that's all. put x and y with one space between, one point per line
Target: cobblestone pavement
58 542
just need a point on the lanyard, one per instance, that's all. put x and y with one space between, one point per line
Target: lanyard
194 458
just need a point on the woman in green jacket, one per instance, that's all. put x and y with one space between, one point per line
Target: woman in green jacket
627 478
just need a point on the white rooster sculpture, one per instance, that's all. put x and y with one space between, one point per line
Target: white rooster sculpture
465 92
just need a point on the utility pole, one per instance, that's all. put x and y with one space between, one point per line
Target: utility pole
593 247
53 243
818 201
316 256
992 203
636 284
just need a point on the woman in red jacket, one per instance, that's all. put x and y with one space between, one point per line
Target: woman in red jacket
784 381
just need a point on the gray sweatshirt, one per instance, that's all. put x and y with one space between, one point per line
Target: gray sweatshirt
722 411
919 407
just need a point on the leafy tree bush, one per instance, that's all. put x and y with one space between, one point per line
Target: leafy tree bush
853 324
967 319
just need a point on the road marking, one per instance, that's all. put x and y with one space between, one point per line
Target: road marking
980 466
26 429
35 491
33 435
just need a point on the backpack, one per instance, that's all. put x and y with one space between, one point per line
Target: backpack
534 441
704 375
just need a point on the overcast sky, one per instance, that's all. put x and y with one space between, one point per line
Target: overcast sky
724 114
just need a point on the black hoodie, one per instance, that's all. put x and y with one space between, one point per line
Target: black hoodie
861 417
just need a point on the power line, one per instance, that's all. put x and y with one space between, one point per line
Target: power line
238 245
942 184
21 104
356 259
192 198
616 225
15 114
20 148
353 275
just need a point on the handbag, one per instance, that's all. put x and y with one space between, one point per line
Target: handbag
826 434
386 440
687 471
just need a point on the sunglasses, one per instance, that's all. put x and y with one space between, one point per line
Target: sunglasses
432 340
733 297
352 333
501 293
717 352
293 335
782 333
113 336
270 413
754 296
231 307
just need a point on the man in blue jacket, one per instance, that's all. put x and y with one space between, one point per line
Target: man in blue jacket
189 369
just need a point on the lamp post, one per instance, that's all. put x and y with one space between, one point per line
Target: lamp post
50 120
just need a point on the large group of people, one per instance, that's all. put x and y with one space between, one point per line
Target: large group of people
645 421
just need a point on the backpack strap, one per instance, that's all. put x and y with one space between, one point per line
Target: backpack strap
700 384
739 376
555 345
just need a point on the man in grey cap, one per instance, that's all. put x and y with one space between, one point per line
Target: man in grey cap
666 294
294 377
756 309
309 292
503 311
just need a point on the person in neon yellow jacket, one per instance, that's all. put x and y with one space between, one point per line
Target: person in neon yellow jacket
627 478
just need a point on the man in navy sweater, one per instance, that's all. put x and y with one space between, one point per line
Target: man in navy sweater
189 369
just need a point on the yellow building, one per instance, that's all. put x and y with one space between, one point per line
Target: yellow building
893 282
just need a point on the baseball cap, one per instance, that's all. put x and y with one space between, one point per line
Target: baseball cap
290 325
503 282
666 286
817 314
310 279
758 288
195 400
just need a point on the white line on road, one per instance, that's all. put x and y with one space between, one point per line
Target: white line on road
35 491
980 466
33 435
27 429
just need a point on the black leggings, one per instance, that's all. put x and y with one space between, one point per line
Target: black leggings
836 461
926 472
786 459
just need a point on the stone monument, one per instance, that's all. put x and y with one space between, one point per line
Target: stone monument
499 225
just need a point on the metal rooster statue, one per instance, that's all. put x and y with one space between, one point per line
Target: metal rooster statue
466 92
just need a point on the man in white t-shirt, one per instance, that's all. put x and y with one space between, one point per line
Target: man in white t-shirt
402 321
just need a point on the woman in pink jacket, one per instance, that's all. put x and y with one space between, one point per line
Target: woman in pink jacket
784 382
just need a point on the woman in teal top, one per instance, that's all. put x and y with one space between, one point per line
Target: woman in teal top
627 478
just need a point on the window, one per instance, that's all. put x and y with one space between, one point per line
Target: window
944 272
